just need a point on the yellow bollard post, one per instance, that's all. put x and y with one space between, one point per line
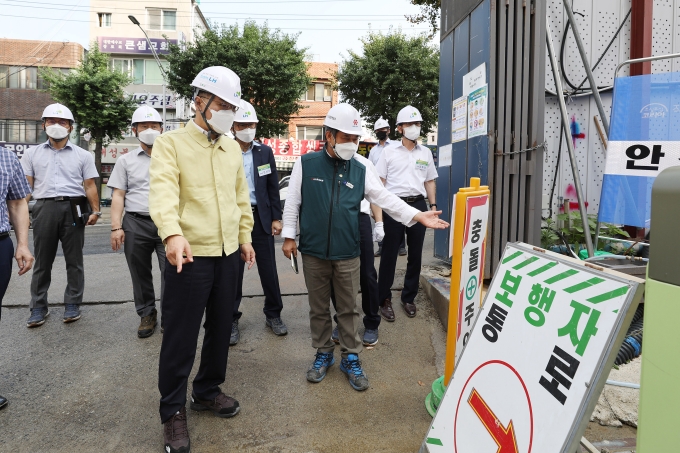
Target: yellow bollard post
469 202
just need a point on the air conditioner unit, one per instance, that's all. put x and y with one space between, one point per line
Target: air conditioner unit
327 99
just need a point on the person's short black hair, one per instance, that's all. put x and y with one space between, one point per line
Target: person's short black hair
331 130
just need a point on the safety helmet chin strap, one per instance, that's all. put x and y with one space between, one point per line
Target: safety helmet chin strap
205 120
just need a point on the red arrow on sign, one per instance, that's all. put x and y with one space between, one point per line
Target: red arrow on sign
504 437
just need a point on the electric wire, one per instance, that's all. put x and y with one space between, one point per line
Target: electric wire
278 28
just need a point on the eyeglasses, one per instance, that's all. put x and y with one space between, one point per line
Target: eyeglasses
60 121
220 105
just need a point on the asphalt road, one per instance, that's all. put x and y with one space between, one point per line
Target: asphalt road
92 385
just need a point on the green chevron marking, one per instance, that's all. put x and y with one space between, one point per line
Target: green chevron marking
526 262
609 295
587 284
512 257
433 441
541 269
561 276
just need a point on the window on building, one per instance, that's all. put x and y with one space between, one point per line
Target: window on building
318 92
309 133
138 71
20 77
161 19
121 64
104 19
4 76
22 131
152 74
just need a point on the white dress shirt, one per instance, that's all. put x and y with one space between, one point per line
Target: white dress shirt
131 174
365 205
406 172
374 192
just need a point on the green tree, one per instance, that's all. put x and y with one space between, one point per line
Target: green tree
394 71
94 93
430 11
272 70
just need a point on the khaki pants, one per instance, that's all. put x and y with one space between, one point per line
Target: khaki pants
344 275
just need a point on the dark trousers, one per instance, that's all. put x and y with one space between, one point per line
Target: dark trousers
208 285
263 244
368 277
141 242
415 236
53 223
401 246
6 255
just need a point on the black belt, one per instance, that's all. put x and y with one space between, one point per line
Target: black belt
253 207
61 198
4 235
413 199
139 216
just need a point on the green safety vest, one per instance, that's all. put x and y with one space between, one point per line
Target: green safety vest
332 191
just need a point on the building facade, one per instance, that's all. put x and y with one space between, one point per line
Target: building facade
169 22
22 100
315 102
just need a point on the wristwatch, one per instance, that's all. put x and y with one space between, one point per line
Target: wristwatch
97 213
433 204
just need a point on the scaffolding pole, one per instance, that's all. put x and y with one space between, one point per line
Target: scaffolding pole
570 143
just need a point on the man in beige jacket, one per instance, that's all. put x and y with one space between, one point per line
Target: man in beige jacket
200 202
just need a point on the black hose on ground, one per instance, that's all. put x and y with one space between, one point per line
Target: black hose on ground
632 344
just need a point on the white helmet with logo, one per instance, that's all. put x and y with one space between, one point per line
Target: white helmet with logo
146 114
246 114
57 111
408 114
220 81
380 124
345 118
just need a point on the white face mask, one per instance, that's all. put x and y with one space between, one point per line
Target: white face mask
148 136
246 135
56 131
412 132
221 120
345 151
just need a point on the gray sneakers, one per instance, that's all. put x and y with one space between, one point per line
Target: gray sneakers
38 317
351 366
277 325
322 362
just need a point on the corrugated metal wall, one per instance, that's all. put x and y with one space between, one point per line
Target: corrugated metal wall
509 38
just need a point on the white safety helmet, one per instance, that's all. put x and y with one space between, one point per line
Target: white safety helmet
380 124
220 81
145 114
345 118
246 114
408 114
57 111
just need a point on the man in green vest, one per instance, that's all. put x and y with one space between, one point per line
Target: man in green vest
325 192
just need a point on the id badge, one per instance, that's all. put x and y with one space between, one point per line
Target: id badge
421 164
264 170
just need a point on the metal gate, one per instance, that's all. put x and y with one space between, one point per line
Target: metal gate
509 37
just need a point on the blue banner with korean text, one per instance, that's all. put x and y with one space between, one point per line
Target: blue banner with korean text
644 139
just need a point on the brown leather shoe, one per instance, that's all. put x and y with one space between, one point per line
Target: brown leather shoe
386 311
223 406
176 433
148 325
410 309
